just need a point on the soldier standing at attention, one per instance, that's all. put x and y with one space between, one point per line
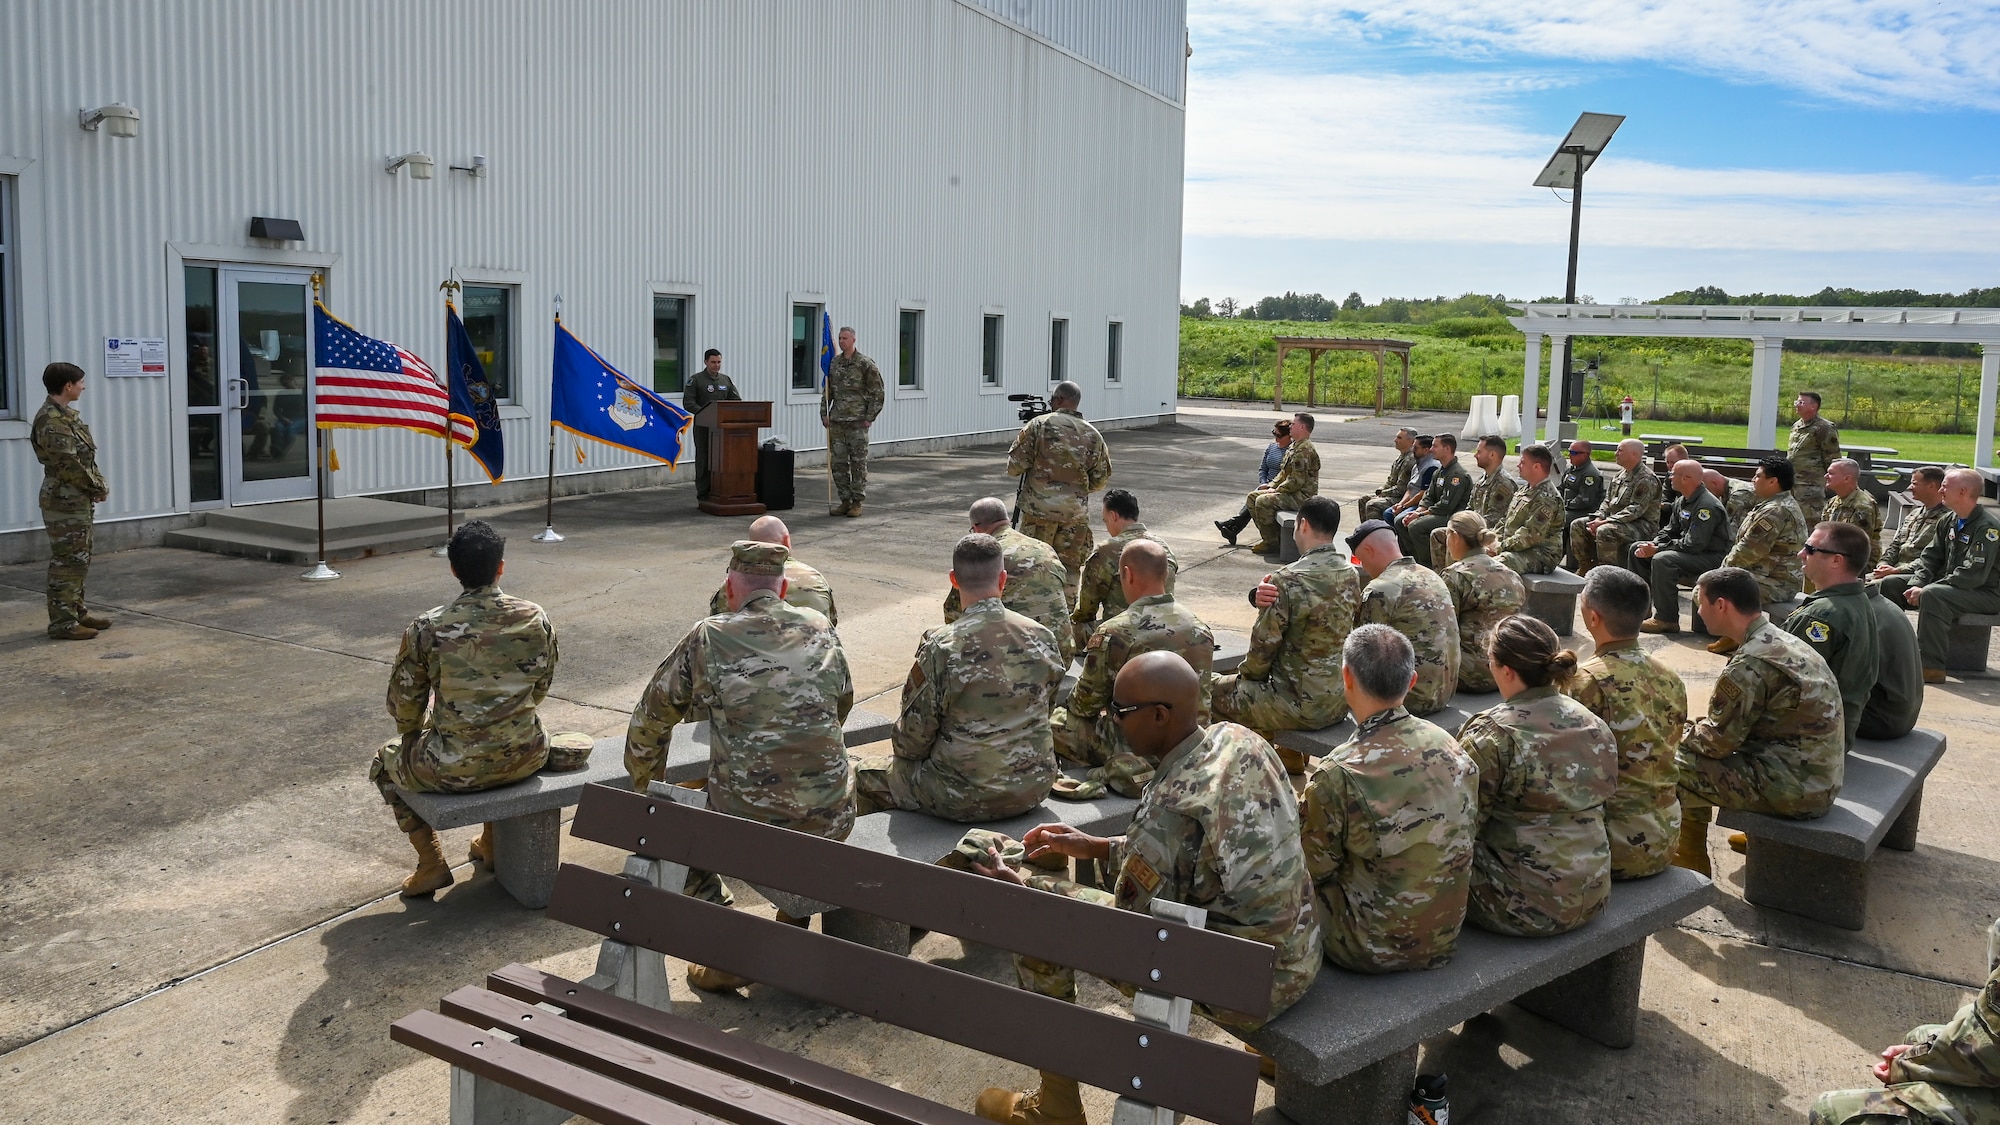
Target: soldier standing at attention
1101 595
1061 459
463 692
972 742
1298 478
1450 490
1812 446
1415 602
1767 542
1290 679
1848 502
1957 574
1630 513
1218 828
1491 497
1920 524
1645 705
1483 591
1401 471
1771 741
1691 545
707 386
1036 579
1941 1074
775 685
805 587
853 401
1387 821
1542 863
1582 489
1531 533
71 488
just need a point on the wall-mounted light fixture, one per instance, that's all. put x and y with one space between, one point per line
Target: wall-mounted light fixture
118 119
476 169
419 163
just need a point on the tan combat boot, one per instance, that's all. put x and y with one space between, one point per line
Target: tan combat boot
1691 852
482 848
802 923
714 980
853 509
1057 1102
1295 761
77 632
432 873
94 621
1739 843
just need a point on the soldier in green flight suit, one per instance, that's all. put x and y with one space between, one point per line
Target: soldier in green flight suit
1692 544
1836 619
1451 490
1958 574
707 386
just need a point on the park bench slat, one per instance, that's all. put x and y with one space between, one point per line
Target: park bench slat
702 1089
1180 1073
551 1080
802 1078
1230 973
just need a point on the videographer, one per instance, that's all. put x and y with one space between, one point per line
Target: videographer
1061 459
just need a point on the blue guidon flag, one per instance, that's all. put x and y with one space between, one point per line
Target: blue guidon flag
593 399
472 399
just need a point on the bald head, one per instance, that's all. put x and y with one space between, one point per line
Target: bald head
770 529
1687 477
1169 690
1962 490
1064 394
1142 569
988 514
1631 451
1716 483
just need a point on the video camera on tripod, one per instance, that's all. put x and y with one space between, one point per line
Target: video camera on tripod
1032 406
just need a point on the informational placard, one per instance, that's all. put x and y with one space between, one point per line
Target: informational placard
128 357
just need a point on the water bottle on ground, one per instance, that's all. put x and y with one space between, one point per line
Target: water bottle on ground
1428 1105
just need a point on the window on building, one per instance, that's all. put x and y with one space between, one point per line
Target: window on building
669 343
489 322
204 384
989 352
1114 349
805 347
8 396
1058 350
910 349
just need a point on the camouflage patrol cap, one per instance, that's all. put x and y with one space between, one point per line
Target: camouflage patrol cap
747 556
568 750
1367 528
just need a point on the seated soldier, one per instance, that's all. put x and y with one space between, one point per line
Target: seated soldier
1401 470
1630 513
1644 703
463 692
1531 534
1085 732
1267 471
1450 491
1669 457
805 587
1100 596
1491 497
1037 584
1737 497
1388 821
1691 545
1848 502
1920 524
1957 574
1767 543
1941 1074
1483 591
775 685
1219 829
1835 620
1415 602
1582 489
1542 861
1898 695
972 742
1290 679
1423 472
1297 479
1771 741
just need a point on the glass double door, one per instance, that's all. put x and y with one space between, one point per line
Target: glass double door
249 384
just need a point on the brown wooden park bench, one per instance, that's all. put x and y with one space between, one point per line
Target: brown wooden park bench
532 1047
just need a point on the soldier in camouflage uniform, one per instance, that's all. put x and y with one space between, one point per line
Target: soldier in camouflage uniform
1768 541
1388 820
71 487
1298 478
1100 596
1290 679
1941 1074
1531 533
1217 829
1813 445
1485 593
1737 497
972 742
805 587
1547 767
1848 502
1415 602
1061 459
1920 524
1036 579
463 693
1771 741
1491 497
1958 574
1371 506
1692 544
852 402
1645 704
1582 488
1450 491
1836 620
775 685
1630 513
1154 622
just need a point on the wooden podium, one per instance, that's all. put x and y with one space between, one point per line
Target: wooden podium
732 427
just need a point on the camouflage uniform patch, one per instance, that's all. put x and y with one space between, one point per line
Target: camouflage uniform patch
71 485
1061 459
1630 514
1811 447
1949 1076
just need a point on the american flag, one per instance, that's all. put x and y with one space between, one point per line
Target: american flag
362 383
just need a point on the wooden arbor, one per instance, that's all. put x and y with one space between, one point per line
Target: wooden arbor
1314 345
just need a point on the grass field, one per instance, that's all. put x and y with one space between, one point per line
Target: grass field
1941 448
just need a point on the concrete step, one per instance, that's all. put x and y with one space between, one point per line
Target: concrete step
356 527
249 545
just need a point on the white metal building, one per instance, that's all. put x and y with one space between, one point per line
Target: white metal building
989 191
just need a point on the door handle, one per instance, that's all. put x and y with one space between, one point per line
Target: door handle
242 393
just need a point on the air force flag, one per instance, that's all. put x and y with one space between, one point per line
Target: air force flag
596 400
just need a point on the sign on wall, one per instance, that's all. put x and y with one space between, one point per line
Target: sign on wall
129 356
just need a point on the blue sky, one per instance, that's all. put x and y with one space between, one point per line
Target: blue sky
1783 145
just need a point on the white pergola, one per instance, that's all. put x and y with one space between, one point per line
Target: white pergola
1767 328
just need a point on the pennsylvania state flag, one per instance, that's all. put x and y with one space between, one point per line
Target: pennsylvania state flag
472 400
594 399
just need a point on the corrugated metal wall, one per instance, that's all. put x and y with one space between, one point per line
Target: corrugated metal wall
1143 41
877 152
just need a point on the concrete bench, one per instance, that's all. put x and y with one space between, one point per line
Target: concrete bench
1819 868
1347 1051
1552 599
1319 743
527 816
1966 646
1288 544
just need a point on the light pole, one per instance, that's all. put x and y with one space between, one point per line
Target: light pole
1565 169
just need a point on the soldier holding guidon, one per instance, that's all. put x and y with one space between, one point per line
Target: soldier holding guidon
853 401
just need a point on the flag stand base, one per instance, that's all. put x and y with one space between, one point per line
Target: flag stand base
548 535
320 573
441 552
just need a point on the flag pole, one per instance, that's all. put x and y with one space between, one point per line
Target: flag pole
320 572
548 533
450 286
